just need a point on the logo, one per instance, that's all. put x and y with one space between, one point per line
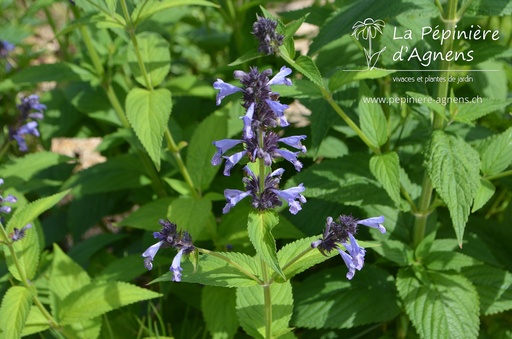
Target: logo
367 30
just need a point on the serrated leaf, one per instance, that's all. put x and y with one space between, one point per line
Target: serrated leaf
293 26
147 216
191 215
386 168
396 251
490 7
447 260
146 9
155 55
497 155
328 300
429 102
52 72
483 195
201 149
471 111
441 305
250 307
288 253
148 113
214 271
453 167
27 248
343 77
307 67
14 311
66 277
371 117
36 322
218 307
259 226
248 56
494 287
98 298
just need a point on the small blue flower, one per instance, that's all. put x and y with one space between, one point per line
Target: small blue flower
356 252
150 253
233 197
349 263
225 89
294 141
176 266
278 109
5 48
10 199
247 119
222 147
231 161
281 77
293 197
291 157
375 222
31 103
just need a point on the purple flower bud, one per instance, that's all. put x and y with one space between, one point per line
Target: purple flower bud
247 119
225 89
150 253
265 31
19 234
294 141
5 48
375 222
5 209
176 266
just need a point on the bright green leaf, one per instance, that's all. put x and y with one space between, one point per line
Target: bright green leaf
490 7
497 153
484 193
447 260
343 77
250 306
98 298
386 168
429 102
147 216
155 55
307 67
468 112
201 149
191 215
396 251
248 56
218 307
260 226
371 117
147 8
36 322
27 249
14 311
453 167
148 113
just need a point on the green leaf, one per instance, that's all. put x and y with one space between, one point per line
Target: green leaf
447 260
386 168
201 149
111 4
490 7
440 305
218 307
59 72
293 26
371 117
214 271
148 113
453 167
494 287
104 20
343 77
260 226
154 52
429 102
484 193
307 67
191 215
469 112
396 251
345 180
497 153
147 216
146 9
288 254
250 307
14 311
36 322
179 186
23 169
248 56
328 300
27 248
119 173
98 298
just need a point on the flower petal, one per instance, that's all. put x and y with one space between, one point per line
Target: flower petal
349 263
231 161
150 253
176 266
247 119
294 141
233 197
222 147
280 78
375 222
291 157
278 109
225 89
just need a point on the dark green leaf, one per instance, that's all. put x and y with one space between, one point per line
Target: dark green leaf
147 8
490 7
483 195
218 307
396 251
147 216
386 168
191 215
59 72
250 55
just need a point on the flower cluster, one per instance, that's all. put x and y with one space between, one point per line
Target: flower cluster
265 31
260 142
23 126
17 234
169 237
342 233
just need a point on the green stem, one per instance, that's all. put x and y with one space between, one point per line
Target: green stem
291 262
232 263
175 151
4 149
267 297
499 175
420 222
